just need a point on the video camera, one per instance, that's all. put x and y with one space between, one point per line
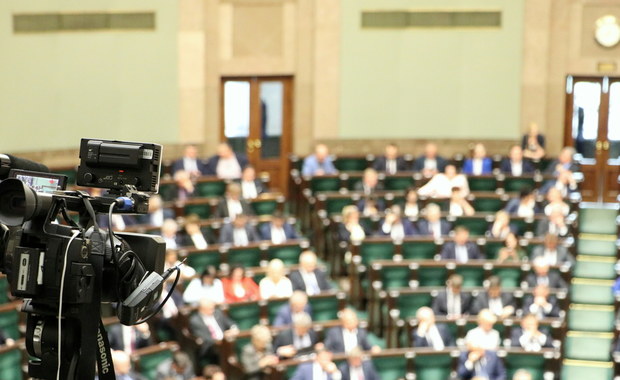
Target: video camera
64 268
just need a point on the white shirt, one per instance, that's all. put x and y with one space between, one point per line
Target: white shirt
397 231
129 334
477 164
269 289
531 343
156 218
526 211
234 208
456 209
228 168
390 166
435 228
186 270
197 290
433 338
319 374
550 207
516 168
350 339
248 189
411 210
199 241
190 165
480 338
356 232
430 164
312 285
240 237
551 256
496 306
453 304
440 186
278 236
460 253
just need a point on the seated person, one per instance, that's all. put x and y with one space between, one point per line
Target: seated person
239 287
524 206
322 367
239 233
430 334
459 205
194 236
501 304
168 232
432 224
461 249
552 252
533 143
541 275
479 164
522 374
172 260
297 304
356 367
185 185
501 227
157 213
565 182
258 355
299 339
210 325
278 231
350 229
232 204
411 209
214 372
275 284
391 162
541 304
395 226
478 363
319 163
555 201
371 206
207 286
122 367
554 224
180 366
528 336
430 163
190 163
511 251
251 187
226 164
440 186
308 278
515 165
129 338
484 336
564 162
348 335
452 302
369 183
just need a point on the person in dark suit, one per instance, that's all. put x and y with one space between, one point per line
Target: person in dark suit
541 303
257 356
514 164
528 336
452 302
541 275
350 229
395 226
391 162
321 368
300 338
129 338
430 163
432 224
502 304
564 162
525 205
179 367
210 326
480 363
461 249
190 163
278 231
122 367
565 182
226 163
348 335
430 334
356 368
232 204
369 183
194 236
251 187
479 164
238 233
553 224
533 143
297 304
308 278
552 252
371 206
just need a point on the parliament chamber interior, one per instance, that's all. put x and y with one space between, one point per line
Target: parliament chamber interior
350 189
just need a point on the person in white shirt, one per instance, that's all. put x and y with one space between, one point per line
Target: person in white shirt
484 336
349 335
552 252
350 229
185 185
411 208
250 187
208 286
322 368
226 163
275 284
193 234
529 337
172 260
555 202
459 205
369 183
430 334
440 186
500 228
278 231
232 204
169 231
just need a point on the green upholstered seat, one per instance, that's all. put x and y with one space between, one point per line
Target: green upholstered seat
351 164
289 254
509 277
472 276
10 364
245 314
588 345
596 247
487 204
515 184
433 367
201 259
324 184
596 318
435 276
383 250
245 256
597 267
395 277
482 183
598 220
588 291
391 367
203 210
335 205
264 206
148 362
324 308
398 183
409 303
418 250
533 363
476 225
211 188
580 370
168 191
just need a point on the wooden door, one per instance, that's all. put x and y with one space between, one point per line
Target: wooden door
592 126
257 121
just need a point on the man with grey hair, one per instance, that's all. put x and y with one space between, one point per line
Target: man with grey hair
522 374
432 224
430 334
356 367
308 278
298 303
298 340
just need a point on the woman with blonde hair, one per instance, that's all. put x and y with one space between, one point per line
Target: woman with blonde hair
350 229
275 284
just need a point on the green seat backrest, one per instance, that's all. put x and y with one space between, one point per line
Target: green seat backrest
492 248
433 367
398 183
482 183
395 277
289 254
324 308
350 164
425 250
510 277
168 191
598 220
201 260
596 247
487 204
211 188
9 321
521 225
335 205
435 276
534 364
203 210
247 257
265 207
597 318
408 304
588 346
246 315
391 368
149 363
376 251
595 267
273 307
10 364
516 184
4 289
591 291
324 184
476 226
580 370
472 276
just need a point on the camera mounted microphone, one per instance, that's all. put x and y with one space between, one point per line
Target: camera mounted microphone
8 162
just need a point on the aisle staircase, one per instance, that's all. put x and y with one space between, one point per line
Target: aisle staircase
591 315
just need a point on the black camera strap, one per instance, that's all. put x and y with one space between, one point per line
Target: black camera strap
105 367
